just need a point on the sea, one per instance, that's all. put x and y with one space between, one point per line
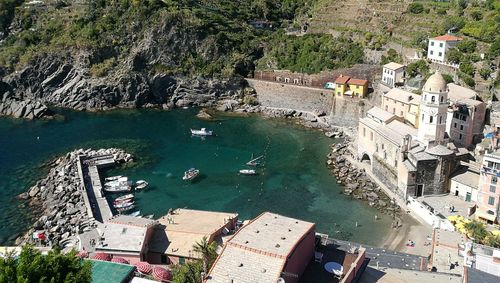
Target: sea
292 180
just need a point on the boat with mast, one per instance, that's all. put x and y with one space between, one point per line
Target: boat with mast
254 161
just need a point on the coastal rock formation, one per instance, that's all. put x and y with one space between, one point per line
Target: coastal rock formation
58 199
356 182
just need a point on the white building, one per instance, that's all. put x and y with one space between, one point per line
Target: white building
433 110
436 50
392 73
464 184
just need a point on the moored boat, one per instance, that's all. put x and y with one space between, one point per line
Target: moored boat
123 204
113 178
135 213
254 161
190 174
118 188
124 198
141 184
248 172
201 132
127 208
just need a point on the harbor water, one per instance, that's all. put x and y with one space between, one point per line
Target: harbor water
293 180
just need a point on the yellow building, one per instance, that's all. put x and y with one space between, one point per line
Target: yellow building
351 87
403 104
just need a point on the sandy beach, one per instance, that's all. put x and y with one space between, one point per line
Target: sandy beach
412 230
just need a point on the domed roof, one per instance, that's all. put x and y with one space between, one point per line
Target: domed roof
439 150
435 83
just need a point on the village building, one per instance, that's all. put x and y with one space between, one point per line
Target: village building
464 184
126 237
271 248
438 46
346 85
466 115
392 74
412 162
489 189
403 104
181 229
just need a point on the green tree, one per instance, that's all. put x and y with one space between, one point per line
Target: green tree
476 230
392 56
207 252
467 46
415 8
485 73
419 67
454 56
32 266
467 68
492 241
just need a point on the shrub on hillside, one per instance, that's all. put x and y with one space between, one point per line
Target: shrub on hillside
467 45
415 8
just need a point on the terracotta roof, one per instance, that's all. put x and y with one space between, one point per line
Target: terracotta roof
342 79
447 37
357 82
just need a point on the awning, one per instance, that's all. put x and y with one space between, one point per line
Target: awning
484 215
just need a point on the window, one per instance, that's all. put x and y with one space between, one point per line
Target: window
431 119
357 87
460 137
493 188
491 200
454 125
364 132
440 119
371 136
440 54
382 146
393 110
461 127
432 43
441 99
440 44
401 114
490 164
422 117
387 109
433 98
432 52
494 179
463 117
455 115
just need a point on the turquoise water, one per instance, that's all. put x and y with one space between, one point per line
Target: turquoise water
294 181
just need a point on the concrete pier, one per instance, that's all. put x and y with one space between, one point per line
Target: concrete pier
94 198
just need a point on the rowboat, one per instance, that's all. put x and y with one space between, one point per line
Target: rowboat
113 178
190 174
141 184
248 172
123 204
124 198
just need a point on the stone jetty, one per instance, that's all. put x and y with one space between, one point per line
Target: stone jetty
59 199
356 182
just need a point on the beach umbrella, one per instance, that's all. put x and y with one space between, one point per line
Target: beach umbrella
82 254
101 256
119 260
160 273
143 267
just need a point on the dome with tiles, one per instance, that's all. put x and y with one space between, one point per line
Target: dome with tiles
435 83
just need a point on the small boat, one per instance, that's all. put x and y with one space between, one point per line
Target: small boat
123 204
248 172
254 161
127 208
202 132
190 174
117 182
141 184
117 189
113 178
124 198
150 216
135 213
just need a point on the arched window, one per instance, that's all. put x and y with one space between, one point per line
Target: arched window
431 119
441 99
433 98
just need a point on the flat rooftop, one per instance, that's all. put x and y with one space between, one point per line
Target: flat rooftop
445 251
259 250
124 234
105 271
183 228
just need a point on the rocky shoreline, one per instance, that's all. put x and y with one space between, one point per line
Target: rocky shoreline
357 183
58 202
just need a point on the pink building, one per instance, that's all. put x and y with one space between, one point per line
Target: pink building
271 248
126 237
489 189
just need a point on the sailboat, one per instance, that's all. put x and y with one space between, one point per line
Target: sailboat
254 161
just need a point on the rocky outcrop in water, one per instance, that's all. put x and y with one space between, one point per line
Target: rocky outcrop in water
58 199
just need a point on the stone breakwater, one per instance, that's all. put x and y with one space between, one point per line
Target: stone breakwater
58 199
357 183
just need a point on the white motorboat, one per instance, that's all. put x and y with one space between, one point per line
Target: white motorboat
141 184
135 213
248 172
118 189
124 198
190 174
202 132
113 178
117 182
127 208
123 204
